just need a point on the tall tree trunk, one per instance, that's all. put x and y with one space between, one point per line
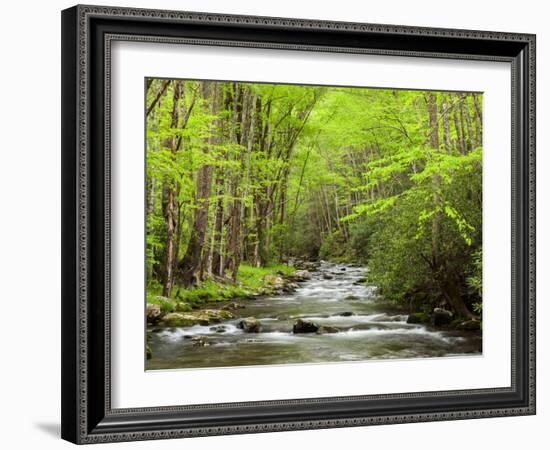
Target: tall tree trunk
458 130
478 120
216 264
462 124
192 260
445 120
436 180
469 128
170 204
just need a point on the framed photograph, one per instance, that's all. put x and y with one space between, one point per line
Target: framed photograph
279 224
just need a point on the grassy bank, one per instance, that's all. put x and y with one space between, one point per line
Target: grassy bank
250 281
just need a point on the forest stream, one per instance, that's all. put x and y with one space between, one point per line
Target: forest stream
335 298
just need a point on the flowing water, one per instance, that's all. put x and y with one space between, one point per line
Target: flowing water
369 329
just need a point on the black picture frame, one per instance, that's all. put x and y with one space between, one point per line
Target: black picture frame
87 415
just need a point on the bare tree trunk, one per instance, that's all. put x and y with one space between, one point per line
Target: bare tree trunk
458 130
169 207
462 124
478 120
217 234
192 260
445 120
469 127
436 180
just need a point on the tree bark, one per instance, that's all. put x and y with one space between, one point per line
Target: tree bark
191 262
478 120
445 120
170 204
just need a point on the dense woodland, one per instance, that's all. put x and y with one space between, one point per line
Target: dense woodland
246 175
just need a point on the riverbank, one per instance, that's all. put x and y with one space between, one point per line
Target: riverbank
214 298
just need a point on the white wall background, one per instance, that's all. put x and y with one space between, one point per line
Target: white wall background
30 223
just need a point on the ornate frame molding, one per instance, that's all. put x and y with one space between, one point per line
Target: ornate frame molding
86 422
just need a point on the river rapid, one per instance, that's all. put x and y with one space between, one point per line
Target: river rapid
335 297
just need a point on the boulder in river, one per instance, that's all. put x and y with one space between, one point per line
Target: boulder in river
469 325
154 313
307 265
327 276
441 317
290 287
209 316
200 341
418 317
199 317
346 314
300 275
177 320
360 281
304 326
352 297
274 282
250 325
326 329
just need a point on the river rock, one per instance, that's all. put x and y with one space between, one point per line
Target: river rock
250 325
360 281
307 265
218 329
418 317
200 341
304 326
154 313
441 317
290 287
325 329
351 297
177 320
300 275
469 325
232 306
327 276
346 314
208 316
199 317
274 282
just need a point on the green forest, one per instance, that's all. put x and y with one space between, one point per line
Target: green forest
245 179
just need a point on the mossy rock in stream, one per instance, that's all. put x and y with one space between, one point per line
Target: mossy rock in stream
469 325
154 313
178 320
250 325
304 326
326 329
196 317
441 317
345 314
418 317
